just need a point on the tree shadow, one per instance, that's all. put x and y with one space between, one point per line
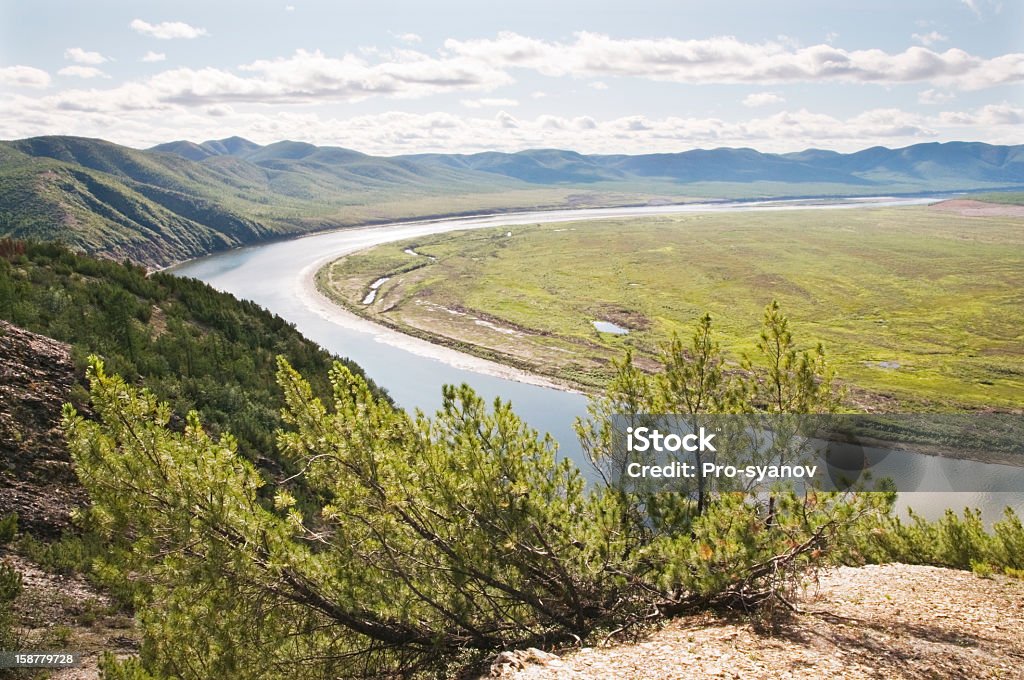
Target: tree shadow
848 635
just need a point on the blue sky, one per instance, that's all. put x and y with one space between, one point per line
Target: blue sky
598 77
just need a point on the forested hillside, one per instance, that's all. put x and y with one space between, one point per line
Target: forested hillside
155 220
158 208
193 346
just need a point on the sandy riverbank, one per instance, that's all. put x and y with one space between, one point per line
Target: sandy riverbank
310 295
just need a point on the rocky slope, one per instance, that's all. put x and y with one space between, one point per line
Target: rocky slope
36 477
54 610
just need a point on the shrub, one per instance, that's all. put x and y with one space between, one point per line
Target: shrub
8 528
10 588
958 542
434 541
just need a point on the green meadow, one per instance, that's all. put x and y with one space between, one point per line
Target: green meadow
917 307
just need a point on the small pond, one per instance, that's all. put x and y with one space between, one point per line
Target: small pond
609 327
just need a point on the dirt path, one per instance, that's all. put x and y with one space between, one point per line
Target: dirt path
969 208
893 621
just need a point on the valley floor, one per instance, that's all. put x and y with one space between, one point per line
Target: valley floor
917 306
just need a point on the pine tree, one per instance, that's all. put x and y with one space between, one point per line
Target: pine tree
425 542
435 537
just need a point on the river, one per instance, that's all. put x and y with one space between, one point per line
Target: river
278 276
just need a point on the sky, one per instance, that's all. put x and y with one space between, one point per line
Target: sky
399 77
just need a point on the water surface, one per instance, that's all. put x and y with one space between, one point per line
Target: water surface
276 276
609 327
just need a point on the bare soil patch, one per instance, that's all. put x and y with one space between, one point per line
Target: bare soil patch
969 208
66 613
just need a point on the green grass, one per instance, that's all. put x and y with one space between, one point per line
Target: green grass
918 308
1011 197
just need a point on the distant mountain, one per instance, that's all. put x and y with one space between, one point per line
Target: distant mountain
232 146
183 199
118 202
538 166
956 165
966 162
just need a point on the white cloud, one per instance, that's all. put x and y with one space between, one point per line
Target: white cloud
636 124
932 96
599 85
124 98
406 73
552 122
785 131
289 8
202 103
1001 114
23 76
729 60
488 103
151 56
506 120
977 6
484 65
992 115
167 30
756 99
931 38
218 110
398 132
80 56
301 78
82 72
410 38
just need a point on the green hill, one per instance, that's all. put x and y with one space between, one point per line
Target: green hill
157 208
182 199
192 345
117 202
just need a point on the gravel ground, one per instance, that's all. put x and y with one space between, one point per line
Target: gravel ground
892 621
66 614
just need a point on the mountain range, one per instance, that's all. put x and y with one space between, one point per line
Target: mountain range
181 199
